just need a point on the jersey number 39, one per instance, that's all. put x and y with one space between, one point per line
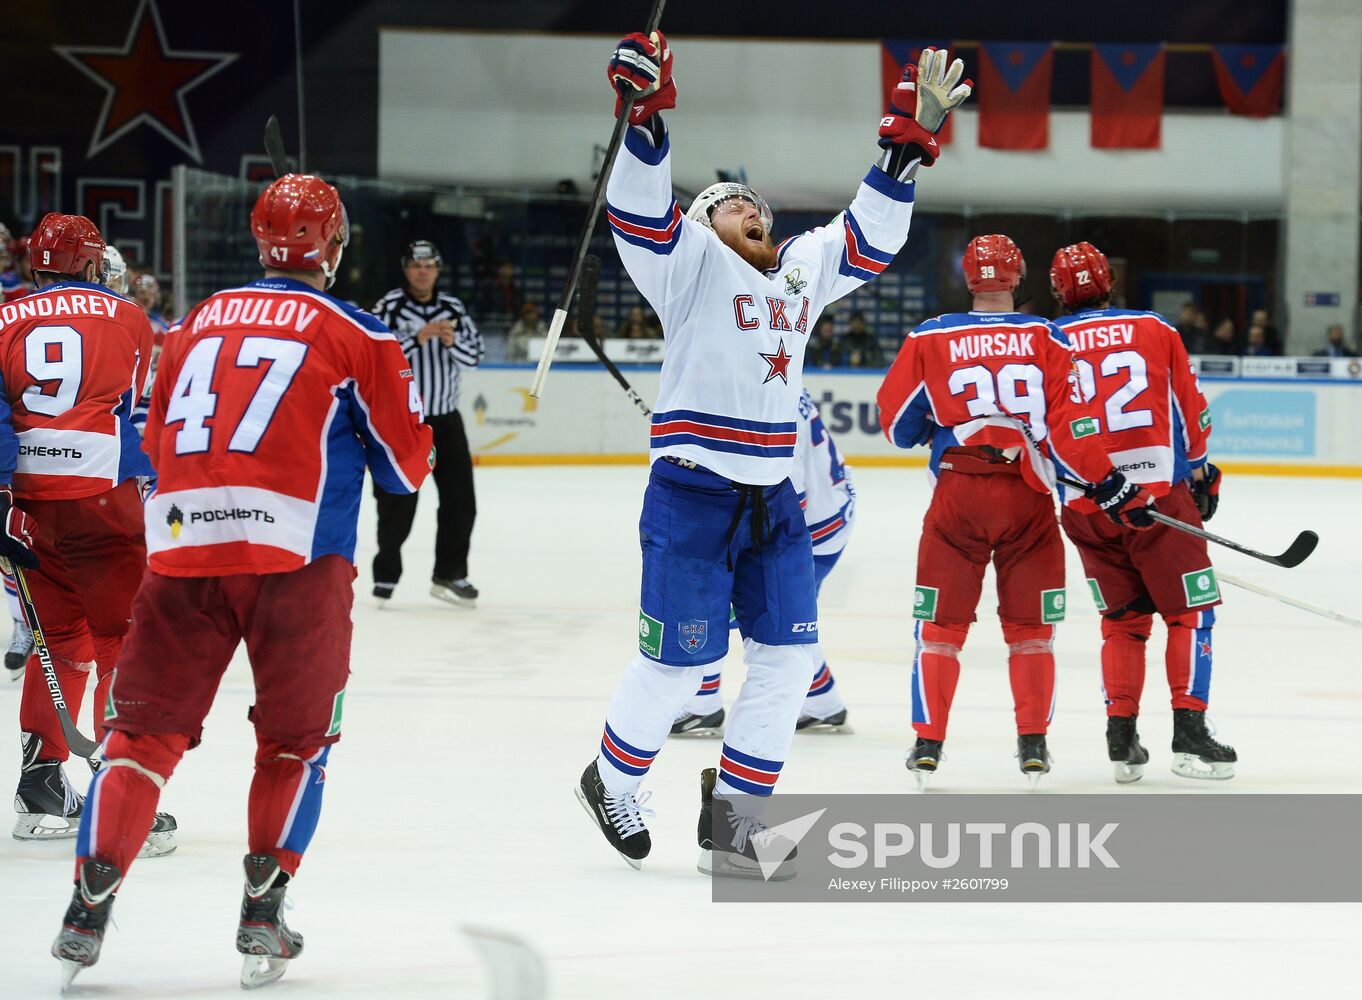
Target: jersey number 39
193 400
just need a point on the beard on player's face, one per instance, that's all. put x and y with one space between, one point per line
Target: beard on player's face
737 223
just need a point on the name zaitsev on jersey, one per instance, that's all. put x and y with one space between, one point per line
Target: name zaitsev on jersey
270 401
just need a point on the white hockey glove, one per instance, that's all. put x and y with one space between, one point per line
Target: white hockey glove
939 89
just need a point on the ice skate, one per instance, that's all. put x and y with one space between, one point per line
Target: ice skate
618 817
1128 757
923 760
459 593
834 723
262 936
82 929
733 845
48 807
1196 753
20 649
1033 757
383 593
161 838
690 724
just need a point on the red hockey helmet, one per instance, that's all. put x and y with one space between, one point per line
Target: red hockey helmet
1079 274
300 224
64 244
993 264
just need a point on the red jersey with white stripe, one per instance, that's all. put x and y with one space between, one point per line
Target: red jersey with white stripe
269 402
1148 408
968 379
73 359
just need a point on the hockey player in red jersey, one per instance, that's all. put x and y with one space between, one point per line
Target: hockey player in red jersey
966 384
73 357
1150 416
271 400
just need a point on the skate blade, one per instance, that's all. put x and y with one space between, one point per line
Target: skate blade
577 793
158 845
261 970
723 864
449 597
69 969
702 733
1125 773
1033 777
38 826
1188 765
922 778
822 727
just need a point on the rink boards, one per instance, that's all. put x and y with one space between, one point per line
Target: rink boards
1261 426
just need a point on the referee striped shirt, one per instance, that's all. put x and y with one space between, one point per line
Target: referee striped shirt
437 368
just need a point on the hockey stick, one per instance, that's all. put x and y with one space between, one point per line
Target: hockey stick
584 242
1296 553
274 146
74 739
1314 609
586 316
516 970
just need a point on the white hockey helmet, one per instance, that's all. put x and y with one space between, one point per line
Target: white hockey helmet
707 200
113 274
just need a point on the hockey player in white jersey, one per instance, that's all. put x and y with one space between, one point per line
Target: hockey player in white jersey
828 498
721 523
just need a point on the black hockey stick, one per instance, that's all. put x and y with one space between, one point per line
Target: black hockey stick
274 146
586 317
583 244
1296 553
78 743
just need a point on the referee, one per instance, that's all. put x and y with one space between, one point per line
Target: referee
440 340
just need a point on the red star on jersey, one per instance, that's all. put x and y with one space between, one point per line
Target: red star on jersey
145 82
780 364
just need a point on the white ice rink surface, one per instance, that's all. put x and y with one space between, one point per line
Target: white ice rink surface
450 799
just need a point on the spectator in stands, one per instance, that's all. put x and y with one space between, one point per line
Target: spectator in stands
529 326
1270 336
1221 340
824 351
1335 347
1255 343
1193 328
501 297
862 349
636 326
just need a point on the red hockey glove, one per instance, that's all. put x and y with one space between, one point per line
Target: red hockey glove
1206 492
898 127
642 65
16 541
1126 503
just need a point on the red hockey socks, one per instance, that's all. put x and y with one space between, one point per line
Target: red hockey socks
1123 642
1189 658
1031 669
286 800
936 671
121 804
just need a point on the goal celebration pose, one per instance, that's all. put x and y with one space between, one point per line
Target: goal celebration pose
721 525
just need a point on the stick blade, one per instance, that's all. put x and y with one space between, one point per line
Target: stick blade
274 146
1299 550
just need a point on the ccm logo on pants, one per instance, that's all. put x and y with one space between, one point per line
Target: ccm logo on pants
804 627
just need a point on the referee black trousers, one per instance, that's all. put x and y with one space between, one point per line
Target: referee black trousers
453 475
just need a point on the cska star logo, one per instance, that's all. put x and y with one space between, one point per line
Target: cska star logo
176 521
779 364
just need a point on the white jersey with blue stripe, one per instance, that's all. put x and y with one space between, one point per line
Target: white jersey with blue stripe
821 481
730 385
